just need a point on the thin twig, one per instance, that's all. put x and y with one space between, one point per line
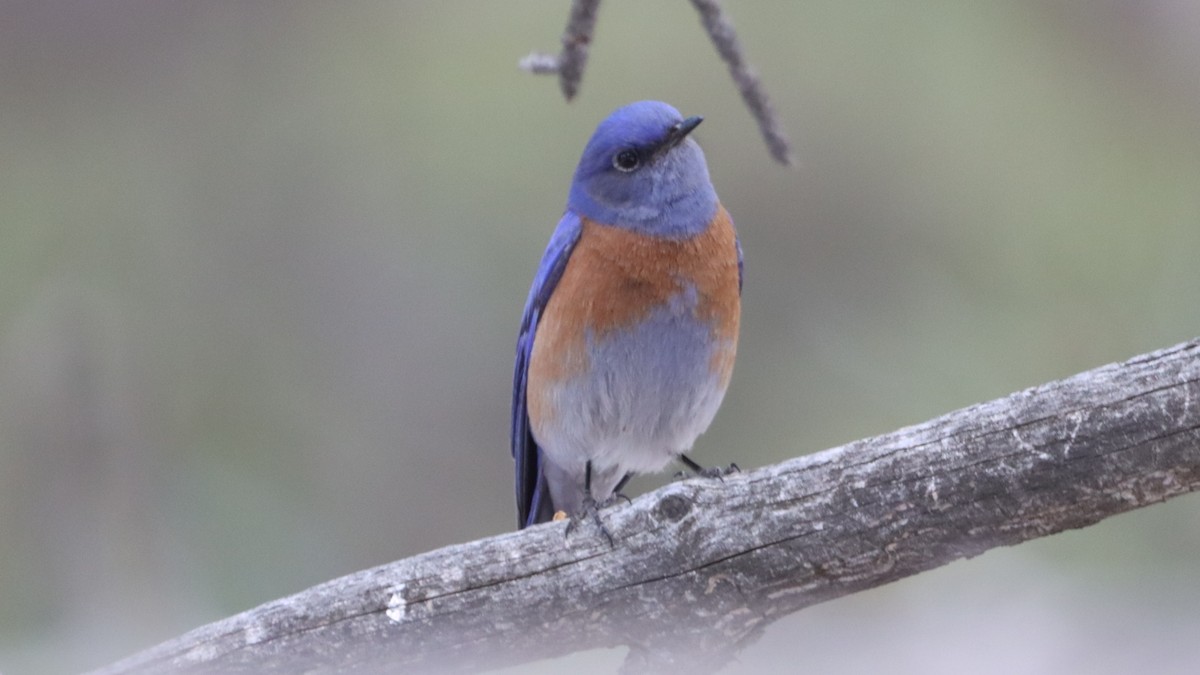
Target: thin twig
575 43
570 62
539 63
720 30
569 65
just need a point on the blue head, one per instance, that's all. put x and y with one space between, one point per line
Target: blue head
641 171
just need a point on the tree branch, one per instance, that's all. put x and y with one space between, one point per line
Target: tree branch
699 567
724 38
570 62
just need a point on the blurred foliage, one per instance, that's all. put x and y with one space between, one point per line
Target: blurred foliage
261 266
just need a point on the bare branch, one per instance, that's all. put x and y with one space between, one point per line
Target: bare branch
701 566
720 30
539 63
569 64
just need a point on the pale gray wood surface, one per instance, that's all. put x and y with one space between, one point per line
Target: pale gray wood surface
699 567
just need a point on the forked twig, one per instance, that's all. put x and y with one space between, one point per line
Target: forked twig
570 62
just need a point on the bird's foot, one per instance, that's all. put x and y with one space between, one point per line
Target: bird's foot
613 499
718 472
590 511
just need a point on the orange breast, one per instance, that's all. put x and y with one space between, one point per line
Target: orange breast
615 278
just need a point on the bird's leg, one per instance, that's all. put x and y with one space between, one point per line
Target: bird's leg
590 508
710 472
616 495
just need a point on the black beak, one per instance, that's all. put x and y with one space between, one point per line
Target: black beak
680 131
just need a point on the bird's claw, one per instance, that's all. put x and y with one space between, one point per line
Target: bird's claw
614 498
717 472
590 510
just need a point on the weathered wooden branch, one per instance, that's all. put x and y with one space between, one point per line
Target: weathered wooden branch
699 567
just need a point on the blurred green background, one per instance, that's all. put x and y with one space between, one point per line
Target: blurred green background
262 263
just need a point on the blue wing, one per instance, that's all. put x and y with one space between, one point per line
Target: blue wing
533 497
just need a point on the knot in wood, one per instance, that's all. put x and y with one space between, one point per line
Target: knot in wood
674 507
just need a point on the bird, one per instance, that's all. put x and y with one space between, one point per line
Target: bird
630 328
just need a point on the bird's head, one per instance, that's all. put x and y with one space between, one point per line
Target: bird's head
642 171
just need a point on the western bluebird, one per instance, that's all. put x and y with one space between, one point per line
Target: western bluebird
629 332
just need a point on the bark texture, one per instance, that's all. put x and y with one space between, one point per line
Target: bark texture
699 567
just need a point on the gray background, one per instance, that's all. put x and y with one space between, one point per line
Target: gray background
262 263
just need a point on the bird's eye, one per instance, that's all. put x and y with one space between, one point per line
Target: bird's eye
626 160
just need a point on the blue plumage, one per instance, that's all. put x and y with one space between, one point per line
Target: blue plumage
532 497
630 328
